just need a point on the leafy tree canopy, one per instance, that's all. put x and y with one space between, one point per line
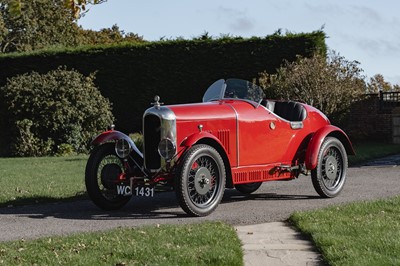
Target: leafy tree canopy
378 83
79 6
37 24
76 7
40 23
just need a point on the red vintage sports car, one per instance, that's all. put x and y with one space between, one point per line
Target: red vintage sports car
235 138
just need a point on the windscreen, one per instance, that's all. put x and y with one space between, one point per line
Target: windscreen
234 89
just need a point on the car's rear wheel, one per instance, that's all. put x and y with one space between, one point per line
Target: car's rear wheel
200 180
329 176
103 169
248 188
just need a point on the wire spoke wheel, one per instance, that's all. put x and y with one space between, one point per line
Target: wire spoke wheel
332 167
109 170
103 170
203 180
330 174
200 180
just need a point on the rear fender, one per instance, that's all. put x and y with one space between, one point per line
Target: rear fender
113 135
316 142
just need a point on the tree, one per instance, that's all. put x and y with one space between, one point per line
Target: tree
41 23
330 84
45 23
107 36
75 6
377 83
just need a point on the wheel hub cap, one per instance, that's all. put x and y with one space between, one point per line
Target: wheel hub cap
331 168
202 181
109 175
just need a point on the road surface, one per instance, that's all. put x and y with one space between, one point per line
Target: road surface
273 202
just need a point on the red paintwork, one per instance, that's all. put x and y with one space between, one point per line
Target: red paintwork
255 140
316 142
109 136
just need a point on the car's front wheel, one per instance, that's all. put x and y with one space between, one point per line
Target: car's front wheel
329 176
200 180
103 169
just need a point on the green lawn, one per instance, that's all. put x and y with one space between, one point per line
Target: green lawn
33 180
369 150
366 233
209 243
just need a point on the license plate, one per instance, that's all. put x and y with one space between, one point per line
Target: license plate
144 191
141 191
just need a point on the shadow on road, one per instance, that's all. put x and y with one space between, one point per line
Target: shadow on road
234 196
162 206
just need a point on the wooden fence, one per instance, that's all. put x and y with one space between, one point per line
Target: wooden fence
389 100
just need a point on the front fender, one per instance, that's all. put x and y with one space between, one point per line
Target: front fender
194 138
113 135
209 139
316 141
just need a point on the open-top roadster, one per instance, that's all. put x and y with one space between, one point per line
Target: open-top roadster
235 138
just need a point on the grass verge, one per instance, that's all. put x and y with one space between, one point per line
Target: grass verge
370 150
44 179
210 243
366 233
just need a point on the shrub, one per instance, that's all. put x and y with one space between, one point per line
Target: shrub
330 84
138 139
27 143
46 111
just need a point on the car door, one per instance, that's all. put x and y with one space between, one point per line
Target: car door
263 138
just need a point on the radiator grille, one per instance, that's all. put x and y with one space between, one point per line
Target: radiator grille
152 136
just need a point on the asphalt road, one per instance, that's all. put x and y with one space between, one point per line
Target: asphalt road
274 201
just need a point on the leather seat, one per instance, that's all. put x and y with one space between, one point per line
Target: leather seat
292 111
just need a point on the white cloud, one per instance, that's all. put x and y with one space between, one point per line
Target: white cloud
242 25
236 20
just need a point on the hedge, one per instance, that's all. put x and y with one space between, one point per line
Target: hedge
177 70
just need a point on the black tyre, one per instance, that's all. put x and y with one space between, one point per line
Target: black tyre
102 171
329 176
248 188
200 180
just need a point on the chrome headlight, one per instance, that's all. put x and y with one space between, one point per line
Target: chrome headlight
166 149
122 148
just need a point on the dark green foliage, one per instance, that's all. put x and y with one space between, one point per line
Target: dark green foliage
42 112
179 70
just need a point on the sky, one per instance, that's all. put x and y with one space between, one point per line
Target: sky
367 31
